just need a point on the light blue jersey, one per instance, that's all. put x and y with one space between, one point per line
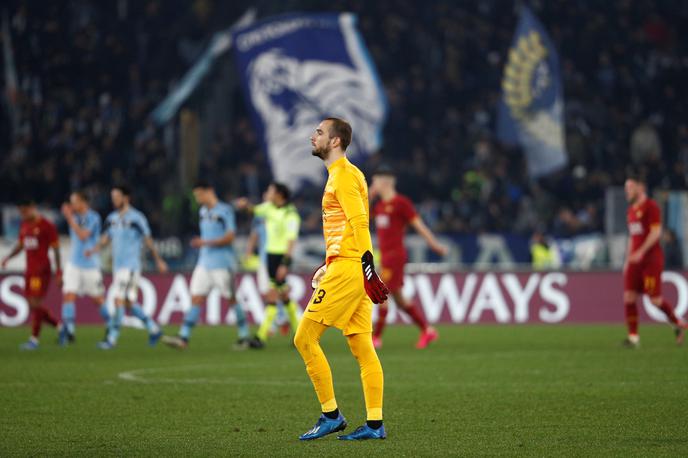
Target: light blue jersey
216 222
127 232
91 222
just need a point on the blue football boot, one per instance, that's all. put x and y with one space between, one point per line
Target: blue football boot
29 346
153 338
365 432
105 345
325 426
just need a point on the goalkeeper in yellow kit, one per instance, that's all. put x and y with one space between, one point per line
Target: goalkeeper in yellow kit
344 288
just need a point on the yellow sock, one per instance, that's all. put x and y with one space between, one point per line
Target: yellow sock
361 346
307 342
270 314
293 316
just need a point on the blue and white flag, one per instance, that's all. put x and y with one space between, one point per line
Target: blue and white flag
531 110
298 69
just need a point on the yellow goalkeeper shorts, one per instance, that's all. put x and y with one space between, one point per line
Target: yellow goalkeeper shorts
340 299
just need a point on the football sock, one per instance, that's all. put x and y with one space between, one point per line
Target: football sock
36 320
270 314
381 321
148 322
293 315
375 424
48 317
190 319
333 415
417 316
307 342
104 312
115 324
361 346
668 311
69 316
631 318
242 322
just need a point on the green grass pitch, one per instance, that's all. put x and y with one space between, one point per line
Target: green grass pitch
480 390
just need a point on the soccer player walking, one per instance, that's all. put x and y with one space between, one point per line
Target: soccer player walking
344 289
393 213
282 223
645 260
82 274
127 229
36 236
216 265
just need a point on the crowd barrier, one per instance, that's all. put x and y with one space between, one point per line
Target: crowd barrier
458 297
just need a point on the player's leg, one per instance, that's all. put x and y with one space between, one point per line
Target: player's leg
200 287
290 306
120 283
226 280
114 326
382 310
633 286
307 342
428 333
68 318
678 325
93 287
132 303
630 299
359 337
372 378
268 317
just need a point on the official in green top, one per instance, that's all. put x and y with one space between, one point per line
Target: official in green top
282 223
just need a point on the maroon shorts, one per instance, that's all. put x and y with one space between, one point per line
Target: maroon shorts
393 274
644 277
36 284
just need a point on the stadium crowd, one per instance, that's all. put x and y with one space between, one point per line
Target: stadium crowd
87 84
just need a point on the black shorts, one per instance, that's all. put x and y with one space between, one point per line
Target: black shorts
274 261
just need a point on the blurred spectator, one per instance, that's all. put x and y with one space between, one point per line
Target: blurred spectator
90 73
673 254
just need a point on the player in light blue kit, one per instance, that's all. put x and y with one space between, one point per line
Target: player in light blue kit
127 229
82 276
215 267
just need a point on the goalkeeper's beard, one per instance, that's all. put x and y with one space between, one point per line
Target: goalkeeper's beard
322 152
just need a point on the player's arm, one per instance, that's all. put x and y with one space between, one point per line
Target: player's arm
352 201
81 232
652 238
251 242
58 261
159 261
425 232
15 251
102 243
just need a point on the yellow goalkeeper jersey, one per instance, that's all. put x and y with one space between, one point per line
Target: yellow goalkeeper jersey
345 212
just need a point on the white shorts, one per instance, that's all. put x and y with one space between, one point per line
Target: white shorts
204 280
263 279
82 282
126 284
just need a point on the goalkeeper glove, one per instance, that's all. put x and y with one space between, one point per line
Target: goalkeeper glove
376 290
318 275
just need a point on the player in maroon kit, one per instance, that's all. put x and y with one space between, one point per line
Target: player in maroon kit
392 213
645 260
36 236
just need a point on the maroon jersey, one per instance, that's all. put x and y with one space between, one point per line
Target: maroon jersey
37 237
641 218
391 219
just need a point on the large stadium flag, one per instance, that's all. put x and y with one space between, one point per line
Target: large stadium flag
531 110
297 69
